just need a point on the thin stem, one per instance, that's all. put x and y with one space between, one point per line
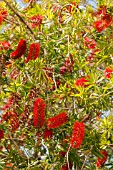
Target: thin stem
21 19
68 157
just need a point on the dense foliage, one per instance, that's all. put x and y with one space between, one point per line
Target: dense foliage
56 85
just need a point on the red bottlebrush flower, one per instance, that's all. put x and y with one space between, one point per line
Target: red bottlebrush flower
101 161
63 70
90 43
92 55
62 153
107 18
101 12
47 133
9 103
39 115
33 52
105 22
15 73
65 167
108 72
4 45
3 13
21 48
0 20
82 82
99 26
37 20
57 121
1 134
13 120
77 134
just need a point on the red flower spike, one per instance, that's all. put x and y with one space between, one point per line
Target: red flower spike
90 43
101 161
107 18
57 121
47 134
1 134
37 20
33 52
1 20
108 72
4 45
99 26
9 103
101 12
39 115
13 119
62 153
77 134
3 13
81 82
21 49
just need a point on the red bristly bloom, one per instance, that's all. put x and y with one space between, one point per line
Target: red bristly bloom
9 103
99 25
82 82
0 19
90 43
3 15
57 121
77 134
1 134
101 12
37 20
33 52
47 133
101 161
4 45
13 119
108 72
21 49
39 115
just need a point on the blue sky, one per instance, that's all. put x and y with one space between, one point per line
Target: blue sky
90 1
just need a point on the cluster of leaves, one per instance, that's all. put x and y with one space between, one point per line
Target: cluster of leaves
56 85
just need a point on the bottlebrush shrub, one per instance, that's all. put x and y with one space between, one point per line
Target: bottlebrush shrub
77 134
57 121
101 161
33 52
20 50
61 79
39 112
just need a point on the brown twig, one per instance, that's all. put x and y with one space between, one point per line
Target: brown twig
21 19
